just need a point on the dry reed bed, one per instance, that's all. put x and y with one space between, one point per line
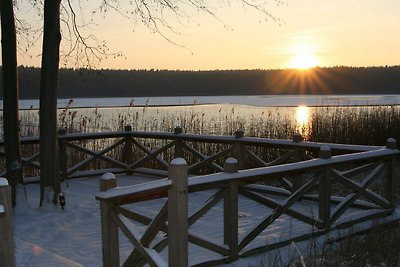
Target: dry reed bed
347 125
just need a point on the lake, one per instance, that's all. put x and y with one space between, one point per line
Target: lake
273 116
250 100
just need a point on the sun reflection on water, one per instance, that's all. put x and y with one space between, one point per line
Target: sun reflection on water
302 119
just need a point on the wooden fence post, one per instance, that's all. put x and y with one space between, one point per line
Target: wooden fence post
127 152
107 181
231 209
325 189
109 231
239 154
178 213
297 181
6 231
178 152
390 179
62 154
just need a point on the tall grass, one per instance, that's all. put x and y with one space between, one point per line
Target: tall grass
379 246
347 125
355 125
204 119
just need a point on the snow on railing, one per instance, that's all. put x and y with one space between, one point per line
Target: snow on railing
355 172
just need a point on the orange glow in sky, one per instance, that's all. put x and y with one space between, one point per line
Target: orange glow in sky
310 33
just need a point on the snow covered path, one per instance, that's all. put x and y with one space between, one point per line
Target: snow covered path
48 236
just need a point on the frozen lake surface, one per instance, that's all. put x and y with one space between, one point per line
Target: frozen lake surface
249 100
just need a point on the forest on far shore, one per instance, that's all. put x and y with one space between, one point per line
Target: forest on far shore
75 83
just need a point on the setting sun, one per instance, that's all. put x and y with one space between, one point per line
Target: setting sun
303 57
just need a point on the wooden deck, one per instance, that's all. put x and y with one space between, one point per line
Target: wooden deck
73 237
244 196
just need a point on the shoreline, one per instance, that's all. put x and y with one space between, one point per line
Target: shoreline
259 101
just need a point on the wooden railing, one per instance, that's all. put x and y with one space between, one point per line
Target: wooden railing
337 185
83 154
6 233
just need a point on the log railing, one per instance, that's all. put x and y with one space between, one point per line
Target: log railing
83 154
338 185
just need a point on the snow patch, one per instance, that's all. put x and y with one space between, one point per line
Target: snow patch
178 161
108 176
231 161
3 181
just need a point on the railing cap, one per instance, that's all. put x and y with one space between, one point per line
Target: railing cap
231 161
178 130
3 182
325 152
297 137
391 143
62 131
231 165
239 133
178 162
108 176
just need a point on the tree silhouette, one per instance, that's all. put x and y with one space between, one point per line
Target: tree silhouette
12 147
49 175
151 13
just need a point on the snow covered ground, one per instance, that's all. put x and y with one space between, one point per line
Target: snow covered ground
48 236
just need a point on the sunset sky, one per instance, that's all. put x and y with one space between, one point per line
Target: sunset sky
312 32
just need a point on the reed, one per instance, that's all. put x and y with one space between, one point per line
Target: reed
348 125
377 247
355 125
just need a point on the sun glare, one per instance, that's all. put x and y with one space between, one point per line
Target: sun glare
303 58
302 115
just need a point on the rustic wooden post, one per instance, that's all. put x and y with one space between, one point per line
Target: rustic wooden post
391 181
239 154
6 231
178 152
109 231
127 152
62 154
325 189
107 181
231 209
178 213
297 181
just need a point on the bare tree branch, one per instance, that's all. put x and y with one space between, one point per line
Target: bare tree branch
81 48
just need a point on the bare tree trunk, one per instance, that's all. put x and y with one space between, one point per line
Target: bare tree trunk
49 176
12 144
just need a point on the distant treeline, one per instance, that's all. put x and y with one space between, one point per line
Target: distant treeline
135 83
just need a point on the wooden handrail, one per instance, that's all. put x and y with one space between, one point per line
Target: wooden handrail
248 141
199 183
247 150
229 183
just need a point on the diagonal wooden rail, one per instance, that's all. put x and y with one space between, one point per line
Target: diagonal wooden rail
84 154
357 172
